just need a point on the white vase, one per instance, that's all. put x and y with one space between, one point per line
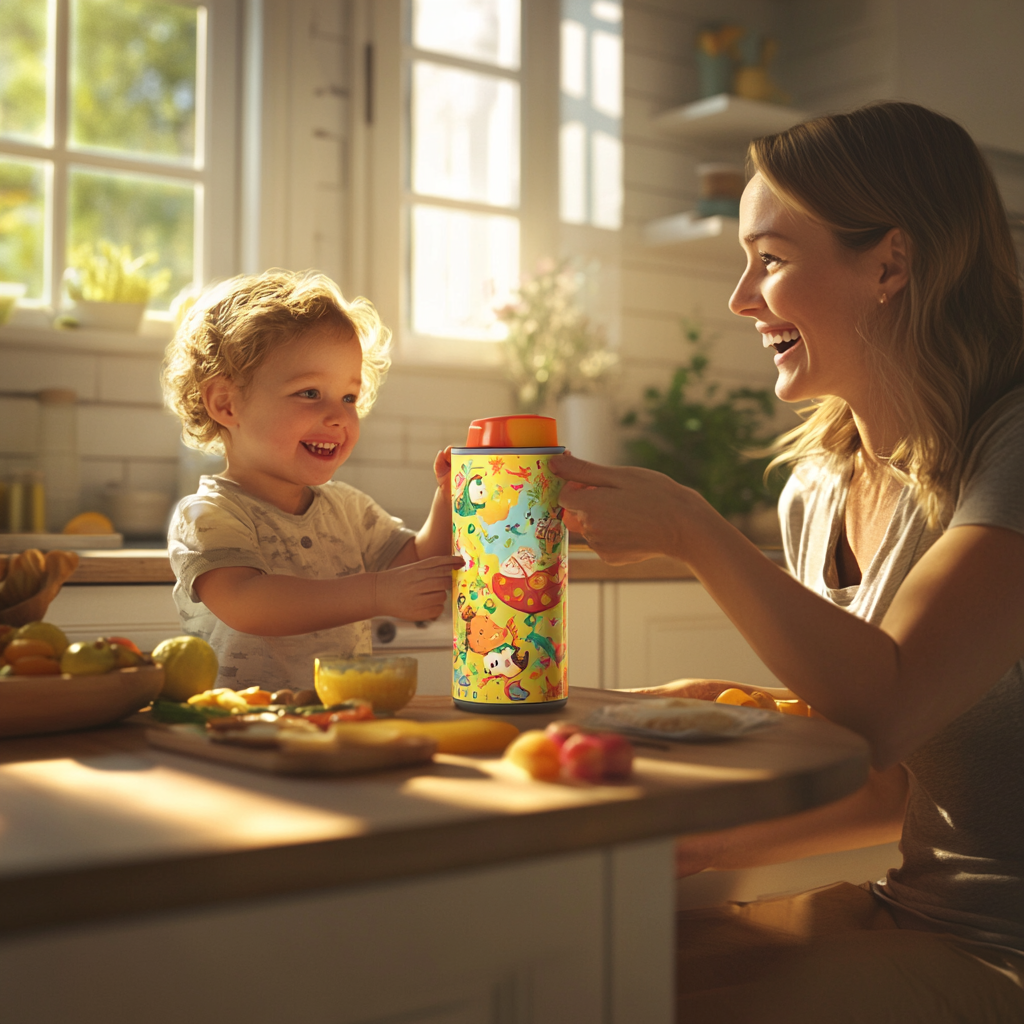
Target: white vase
586 426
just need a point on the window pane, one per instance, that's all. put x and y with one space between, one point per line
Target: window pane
463 265
481 30
606 178
22 232
23 68
465 135
572 159
133 77
146 214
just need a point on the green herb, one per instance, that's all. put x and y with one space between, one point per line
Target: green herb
699 435
173 713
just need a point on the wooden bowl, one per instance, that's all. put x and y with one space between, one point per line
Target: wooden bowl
38 704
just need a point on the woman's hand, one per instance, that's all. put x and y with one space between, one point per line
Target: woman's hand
628 514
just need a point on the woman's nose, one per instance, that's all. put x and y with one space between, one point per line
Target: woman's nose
746 298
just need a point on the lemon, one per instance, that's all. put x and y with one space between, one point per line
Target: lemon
45 631
89 523
190 666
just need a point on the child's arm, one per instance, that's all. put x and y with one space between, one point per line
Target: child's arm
435 536
270 605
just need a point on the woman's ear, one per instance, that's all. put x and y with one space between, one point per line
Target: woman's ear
894 272
220 396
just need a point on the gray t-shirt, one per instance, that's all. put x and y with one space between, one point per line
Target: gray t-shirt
963 836
342 533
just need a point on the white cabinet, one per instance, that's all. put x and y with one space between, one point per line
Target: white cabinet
143 612
628 633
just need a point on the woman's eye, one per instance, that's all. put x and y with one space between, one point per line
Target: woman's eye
309 393
767 258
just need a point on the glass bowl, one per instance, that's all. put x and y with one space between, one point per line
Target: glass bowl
388 683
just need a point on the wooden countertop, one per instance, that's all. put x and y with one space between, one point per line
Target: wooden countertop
151 566
98 824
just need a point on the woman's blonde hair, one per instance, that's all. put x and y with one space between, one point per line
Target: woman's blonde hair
232 327
950 344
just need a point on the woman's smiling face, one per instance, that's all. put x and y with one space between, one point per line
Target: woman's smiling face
807 296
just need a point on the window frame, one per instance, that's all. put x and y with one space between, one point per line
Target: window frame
382 268
214 168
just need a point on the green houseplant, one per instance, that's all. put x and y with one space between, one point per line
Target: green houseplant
109 286
700 435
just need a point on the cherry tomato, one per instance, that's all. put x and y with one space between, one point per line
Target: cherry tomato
325 718
123 642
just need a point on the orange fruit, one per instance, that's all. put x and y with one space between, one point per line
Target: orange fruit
36 665
742 699
20 648
89 523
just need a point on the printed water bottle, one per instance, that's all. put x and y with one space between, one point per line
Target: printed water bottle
509 599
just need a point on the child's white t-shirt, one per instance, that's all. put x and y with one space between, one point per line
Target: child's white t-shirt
343 532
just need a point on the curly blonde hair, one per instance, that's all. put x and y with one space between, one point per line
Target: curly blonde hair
950 345
232 327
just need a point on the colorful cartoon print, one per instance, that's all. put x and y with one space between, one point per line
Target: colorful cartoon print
510 629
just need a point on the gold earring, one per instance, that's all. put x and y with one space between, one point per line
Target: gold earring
883 300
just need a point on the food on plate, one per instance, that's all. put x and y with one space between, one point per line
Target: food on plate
190 666
29 581
754 699
566 750
672 715
89 523
46 631
457 736
536 753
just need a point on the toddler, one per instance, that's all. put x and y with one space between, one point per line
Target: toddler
275 561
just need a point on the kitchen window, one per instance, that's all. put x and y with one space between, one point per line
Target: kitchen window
117 123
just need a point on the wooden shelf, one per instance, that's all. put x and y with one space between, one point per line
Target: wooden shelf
728 120
713 236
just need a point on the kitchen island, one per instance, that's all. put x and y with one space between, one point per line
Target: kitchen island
165 888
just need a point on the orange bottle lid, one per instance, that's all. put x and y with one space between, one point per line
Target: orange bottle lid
513 432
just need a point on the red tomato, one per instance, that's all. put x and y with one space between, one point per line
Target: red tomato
324 718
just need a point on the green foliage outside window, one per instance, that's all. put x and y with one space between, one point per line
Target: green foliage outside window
23 68
698 434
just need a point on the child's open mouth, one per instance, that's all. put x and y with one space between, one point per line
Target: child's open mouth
782 341
321 449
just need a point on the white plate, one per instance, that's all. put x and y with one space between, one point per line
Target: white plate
38 704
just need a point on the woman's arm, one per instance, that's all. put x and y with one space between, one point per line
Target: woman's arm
869 817
955 626
271 605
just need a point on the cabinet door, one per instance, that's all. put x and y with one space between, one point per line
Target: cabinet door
584 615
143 612
671 629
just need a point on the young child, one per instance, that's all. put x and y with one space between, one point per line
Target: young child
275 561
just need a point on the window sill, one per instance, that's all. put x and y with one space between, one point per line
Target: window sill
33 328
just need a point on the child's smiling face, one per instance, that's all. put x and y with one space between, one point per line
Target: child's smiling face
296 422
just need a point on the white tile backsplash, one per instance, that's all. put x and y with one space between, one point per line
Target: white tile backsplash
19 426
129 379
153 475
25 369
381 439
108 430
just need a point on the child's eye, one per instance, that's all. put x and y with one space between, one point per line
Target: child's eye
767 258
309 393
351 399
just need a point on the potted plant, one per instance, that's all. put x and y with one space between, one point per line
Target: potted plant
712 441
559 360
108 286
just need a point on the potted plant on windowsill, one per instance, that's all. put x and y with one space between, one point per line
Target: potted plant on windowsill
109 288
558 360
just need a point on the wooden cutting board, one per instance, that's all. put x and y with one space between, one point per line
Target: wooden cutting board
347 759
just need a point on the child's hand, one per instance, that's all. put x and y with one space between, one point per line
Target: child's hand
417 591
443 471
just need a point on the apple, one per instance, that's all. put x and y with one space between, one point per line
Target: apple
582 757
84 659
561 731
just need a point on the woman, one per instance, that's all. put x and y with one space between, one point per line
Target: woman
882 277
